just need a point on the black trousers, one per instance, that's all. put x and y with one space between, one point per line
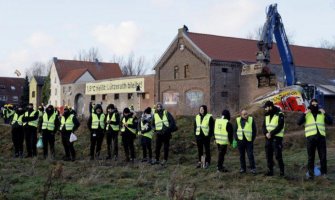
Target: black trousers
112 136
48 138
97 136
204 142
317 142
30 133
274 146
146 145
243 147
222 150
160 140
68 146
128 144
18 138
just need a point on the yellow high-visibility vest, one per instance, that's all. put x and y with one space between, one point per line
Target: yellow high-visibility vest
159 122
220 131
204 125
271 125
17 119
130 121
246 131
96 121
9 113
68 123
49 124
40 113
31 123
148 134
312 126
114 127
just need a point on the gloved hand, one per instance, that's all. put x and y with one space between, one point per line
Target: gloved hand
234 145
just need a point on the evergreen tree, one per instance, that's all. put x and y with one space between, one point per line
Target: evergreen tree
46 90
25 94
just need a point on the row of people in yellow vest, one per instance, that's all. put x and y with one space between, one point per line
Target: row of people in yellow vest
243 134
26 124
110 124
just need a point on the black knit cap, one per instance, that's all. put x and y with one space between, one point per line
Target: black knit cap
226 114
126 110
268 104
147 110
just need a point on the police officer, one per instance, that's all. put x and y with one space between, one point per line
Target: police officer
245 134
96 124
203 130
315 120
112 130
146 133
69 124
30 122
17 132
273 130
163 123
128 132
223 131
49 126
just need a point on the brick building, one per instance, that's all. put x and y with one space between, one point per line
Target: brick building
11 90
206 69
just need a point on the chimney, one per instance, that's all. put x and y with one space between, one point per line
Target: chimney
182 30
97 63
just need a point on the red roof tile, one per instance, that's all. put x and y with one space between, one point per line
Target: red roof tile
236 49
73 75
70 70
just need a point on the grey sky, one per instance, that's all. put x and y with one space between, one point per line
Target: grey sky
37 30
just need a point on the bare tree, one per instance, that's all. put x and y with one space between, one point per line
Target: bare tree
90 55
326 44
257 34
38 69
131 66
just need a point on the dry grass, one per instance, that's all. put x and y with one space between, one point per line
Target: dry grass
103 179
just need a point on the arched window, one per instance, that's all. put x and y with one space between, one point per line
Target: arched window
186 71
176 72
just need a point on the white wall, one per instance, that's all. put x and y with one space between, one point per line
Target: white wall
86 77
55 99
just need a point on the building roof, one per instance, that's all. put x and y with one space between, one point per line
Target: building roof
73 75
223 48
327 89
40 80
70 70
